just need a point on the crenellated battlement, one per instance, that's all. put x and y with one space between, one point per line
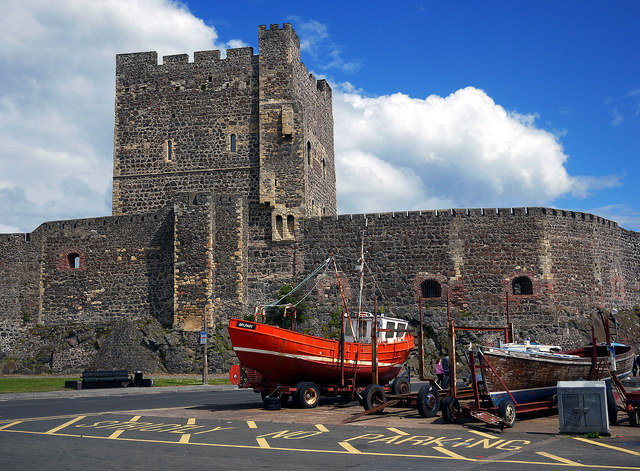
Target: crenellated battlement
150 59
485 213
276 27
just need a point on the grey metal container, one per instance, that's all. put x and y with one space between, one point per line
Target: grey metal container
582 407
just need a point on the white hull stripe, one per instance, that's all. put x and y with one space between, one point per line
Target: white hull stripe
317 359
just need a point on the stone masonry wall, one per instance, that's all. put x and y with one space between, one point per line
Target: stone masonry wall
125 269
174 126
578 265
19 285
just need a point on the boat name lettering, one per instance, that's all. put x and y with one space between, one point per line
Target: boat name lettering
246 325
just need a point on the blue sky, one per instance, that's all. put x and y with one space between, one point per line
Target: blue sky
436 104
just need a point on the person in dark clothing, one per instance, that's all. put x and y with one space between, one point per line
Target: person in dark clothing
445 372
636 365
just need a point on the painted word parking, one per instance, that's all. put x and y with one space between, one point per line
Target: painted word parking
455 445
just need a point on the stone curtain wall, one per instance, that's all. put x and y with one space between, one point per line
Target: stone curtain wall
125 269
572 260
19 285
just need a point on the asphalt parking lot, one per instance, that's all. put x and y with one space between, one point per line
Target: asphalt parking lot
135 423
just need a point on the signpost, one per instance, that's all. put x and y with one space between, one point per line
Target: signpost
205 366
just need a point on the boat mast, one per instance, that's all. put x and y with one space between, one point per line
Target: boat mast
361 283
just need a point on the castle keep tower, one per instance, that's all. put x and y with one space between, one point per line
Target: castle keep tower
257 126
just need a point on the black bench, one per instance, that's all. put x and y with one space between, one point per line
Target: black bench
109 379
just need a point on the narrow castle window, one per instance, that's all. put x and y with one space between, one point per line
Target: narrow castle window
279 226
324 170
291 224
308 153
522 285
169 150
232 145
431 289
74 260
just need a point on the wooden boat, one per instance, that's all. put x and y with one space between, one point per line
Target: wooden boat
530 373
281 356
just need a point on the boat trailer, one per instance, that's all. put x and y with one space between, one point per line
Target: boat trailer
477 401
630 401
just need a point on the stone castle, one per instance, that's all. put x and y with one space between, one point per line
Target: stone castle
224 190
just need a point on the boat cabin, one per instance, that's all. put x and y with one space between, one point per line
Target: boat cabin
389 328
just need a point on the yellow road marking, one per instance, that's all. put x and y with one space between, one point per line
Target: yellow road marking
347 446
395 430
135 418
307 450
557 458
116 434
482 434
66 424
322 428
451 453
187 436
617 448
263 443
11 424
251 424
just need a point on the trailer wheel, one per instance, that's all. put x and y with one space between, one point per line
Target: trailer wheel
450 410
633 418
507 412
428 401
401 386
373 396
612 407
307 395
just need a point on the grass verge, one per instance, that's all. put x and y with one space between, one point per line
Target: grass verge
35 384
44 384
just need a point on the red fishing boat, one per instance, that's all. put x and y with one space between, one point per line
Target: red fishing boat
283 363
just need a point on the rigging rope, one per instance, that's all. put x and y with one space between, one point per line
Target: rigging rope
312 274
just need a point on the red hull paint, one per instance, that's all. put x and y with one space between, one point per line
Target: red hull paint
286 357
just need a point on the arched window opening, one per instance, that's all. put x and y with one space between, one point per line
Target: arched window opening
291 226
308 152
73 260
324 170
279 225
431 289
522 285
232 144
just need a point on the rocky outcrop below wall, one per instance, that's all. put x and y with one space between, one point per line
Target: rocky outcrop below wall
143 345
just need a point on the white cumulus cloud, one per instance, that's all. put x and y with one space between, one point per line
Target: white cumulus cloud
463 150
57 81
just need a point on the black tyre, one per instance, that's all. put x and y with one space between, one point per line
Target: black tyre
450 410
507 412
633 419
612 407
284 398
401 386
428 401
272 403
307 395
373 396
